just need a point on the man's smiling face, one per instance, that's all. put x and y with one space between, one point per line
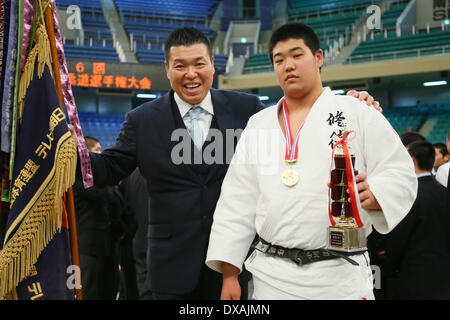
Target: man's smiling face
190 70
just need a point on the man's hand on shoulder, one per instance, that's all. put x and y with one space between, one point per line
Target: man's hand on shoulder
365 96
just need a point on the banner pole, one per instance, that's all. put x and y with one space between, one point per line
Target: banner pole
70 204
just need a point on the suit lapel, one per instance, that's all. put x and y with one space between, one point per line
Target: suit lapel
165 124
224 115
222 110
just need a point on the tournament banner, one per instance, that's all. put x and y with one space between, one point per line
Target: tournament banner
36 249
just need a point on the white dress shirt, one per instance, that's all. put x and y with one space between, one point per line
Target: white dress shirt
442 174
205 116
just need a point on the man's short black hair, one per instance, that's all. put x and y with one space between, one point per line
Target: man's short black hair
186 36
442 148
410 137
90 141
294 30
424 153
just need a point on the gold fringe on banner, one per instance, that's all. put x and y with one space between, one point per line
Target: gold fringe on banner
43 53
43 214
42 221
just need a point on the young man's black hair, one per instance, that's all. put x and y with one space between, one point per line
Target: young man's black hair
410 137
294 30
186 36
424 153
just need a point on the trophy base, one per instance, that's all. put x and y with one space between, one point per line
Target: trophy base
346 239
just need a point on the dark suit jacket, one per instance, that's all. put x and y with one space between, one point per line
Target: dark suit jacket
135 194
418 250
97 211
181 204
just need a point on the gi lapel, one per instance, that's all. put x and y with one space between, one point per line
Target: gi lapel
225 117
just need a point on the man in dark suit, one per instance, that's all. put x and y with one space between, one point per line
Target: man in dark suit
182 195
135 194
418 249
96 211
183 152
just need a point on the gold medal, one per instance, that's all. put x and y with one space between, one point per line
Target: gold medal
290 177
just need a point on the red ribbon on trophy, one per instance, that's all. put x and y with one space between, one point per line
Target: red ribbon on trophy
351 180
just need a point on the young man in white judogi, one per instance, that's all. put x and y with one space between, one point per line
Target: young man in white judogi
255 200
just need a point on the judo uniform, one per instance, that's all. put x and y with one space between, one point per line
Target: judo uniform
254 200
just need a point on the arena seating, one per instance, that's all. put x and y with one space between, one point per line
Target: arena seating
439 131
301 8
385 44
331 20
104 127
150 26
92 6
333 25
170 9
258 62
97 35
440 113
389 18
401 47
405 119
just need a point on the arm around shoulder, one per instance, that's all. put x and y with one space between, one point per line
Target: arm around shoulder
117 162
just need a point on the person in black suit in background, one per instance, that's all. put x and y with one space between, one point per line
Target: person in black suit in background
418 249
96 211
184 175
135 194
376 242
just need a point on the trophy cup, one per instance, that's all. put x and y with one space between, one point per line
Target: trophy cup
346 235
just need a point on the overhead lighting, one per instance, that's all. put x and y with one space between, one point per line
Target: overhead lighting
340 91
263 98
146 95
434 83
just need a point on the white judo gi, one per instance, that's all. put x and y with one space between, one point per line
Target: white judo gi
254 199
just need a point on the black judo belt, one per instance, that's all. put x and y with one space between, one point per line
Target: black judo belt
299 256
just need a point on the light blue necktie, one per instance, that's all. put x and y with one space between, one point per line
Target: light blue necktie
194 129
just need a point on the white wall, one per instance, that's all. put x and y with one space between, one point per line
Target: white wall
427 13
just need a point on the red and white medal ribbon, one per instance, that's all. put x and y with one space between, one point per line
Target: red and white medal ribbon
351 179
291 154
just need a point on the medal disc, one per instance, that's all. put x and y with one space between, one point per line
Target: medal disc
290 177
